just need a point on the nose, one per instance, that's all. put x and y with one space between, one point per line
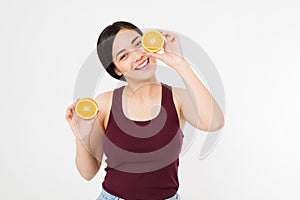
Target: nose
138 55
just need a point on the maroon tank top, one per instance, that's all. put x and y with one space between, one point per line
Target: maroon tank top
142 156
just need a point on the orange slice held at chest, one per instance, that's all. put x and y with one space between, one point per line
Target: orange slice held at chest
86 108
152 41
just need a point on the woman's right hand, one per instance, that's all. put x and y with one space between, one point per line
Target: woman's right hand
79 126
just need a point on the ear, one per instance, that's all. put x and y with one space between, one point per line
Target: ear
117 71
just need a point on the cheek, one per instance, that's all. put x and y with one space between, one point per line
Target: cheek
124 66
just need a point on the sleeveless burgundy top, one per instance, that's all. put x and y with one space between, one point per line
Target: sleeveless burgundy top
142 156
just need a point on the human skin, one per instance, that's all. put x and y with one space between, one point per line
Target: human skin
194 104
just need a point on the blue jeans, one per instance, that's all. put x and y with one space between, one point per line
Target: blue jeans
104 195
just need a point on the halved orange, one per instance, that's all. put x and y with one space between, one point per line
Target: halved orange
86 108
152 41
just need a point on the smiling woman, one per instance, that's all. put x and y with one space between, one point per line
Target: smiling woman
128 54
142 142
105 45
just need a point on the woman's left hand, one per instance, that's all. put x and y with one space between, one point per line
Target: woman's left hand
172 55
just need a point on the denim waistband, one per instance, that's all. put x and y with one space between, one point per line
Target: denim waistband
104 195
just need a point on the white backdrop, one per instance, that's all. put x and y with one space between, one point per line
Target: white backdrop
254 45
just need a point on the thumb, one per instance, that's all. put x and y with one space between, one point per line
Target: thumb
155 55
99 113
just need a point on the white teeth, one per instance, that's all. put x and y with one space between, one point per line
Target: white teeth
142 65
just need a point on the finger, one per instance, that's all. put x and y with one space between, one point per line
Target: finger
164 33
68 117
69 109
74 104
165 45
169 36
155 55
70 112
76 101
70 106
98 113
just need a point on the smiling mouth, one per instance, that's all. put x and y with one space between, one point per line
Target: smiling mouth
143 65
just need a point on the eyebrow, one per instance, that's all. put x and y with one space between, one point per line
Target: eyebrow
134 39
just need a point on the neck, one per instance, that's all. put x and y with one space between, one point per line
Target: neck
142 90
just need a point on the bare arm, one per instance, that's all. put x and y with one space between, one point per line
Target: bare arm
198 106
89 136
87 165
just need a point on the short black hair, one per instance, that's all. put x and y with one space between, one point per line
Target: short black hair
105 43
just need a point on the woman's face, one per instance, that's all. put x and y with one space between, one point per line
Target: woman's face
130 58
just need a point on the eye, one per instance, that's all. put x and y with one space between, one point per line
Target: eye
122 57
138 44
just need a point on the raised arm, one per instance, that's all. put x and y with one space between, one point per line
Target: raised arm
89 136
197 105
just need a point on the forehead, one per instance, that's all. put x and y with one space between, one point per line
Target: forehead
123 40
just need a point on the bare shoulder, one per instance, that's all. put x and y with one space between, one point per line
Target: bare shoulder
104 101
104 98
177 94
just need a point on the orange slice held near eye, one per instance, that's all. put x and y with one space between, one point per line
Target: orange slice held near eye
152 41
86 108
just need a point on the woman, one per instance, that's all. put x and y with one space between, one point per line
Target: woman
142 144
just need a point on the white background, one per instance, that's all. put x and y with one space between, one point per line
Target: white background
254 45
